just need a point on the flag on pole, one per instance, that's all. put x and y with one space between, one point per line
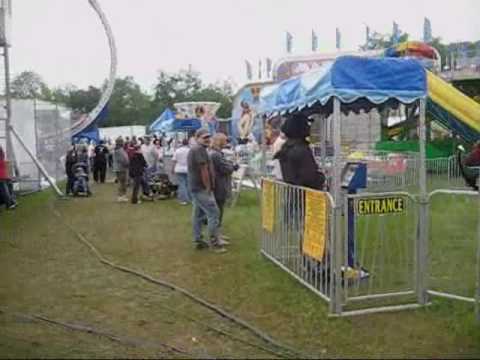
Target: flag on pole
338 39
268 61
249 69
314 41
427 31
260 69
289 42
395 33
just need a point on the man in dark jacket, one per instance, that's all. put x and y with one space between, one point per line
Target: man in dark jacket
137 170
296 158
100 162
70 160
223 170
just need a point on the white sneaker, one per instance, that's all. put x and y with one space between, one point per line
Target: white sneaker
122 199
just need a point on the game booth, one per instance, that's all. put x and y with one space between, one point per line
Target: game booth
359 249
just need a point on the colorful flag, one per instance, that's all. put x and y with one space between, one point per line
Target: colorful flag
289 42
338 39
268 61
249 69
427 31
395 33
314 41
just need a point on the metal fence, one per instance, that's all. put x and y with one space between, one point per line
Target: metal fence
384 265
286 215
454 245
44 127
379 250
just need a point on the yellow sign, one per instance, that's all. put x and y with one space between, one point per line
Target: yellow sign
268 208
389 205
314 235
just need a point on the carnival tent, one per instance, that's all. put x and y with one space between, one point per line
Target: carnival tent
164 122
359 83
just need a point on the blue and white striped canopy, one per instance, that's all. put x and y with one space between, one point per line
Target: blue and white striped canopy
348 78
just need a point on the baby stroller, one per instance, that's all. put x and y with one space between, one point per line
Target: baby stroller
80 182
161 186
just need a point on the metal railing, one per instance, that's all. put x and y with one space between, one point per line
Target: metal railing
287 211
382 264
380 249
454 245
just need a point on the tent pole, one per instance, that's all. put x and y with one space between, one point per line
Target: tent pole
422 238
35 160
336 300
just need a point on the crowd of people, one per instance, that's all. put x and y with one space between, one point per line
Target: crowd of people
201 169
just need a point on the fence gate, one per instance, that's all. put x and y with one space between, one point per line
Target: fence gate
454 245
380 237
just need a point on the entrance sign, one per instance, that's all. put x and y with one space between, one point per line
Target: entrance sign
387 205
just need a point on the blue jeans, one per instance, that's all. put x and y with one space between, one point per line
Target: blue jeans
204 204
183 194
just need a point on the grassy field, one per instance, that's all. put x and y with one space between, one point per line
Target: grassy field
46 271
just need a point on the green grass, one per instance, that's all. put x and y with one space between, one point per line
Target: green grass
45 270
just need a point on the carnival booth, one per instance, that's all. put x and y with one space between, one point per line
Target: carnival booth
320 237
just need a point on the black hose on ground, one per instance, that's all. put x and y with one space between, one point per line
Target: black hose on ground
289 352
112 337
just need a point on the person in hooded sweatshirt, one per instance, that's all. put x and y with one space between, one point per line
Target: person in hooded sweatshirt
296 159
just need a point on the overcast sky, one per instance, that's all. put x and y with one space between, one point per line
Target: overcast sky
64 42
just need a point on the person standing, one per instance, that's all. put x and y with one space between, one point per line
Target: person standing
120 167
150 155
201 182
296 159
70 160
137 172
100 162
6 189
223 169
180 168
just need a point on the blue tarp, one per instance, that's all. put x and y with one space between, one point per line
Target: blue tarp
164 122
186 125
349 78
91 131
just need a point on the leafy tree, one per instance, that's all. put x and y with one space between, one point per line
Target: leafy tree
442 50
382 41
30 85
84 100
128 104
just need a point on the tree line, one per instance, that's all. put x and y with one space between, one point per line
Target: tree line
129 103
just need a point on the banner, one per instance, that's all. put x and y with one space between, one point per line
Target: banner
314 41
268 205
316 221
249 69
427 31
289 42
338 39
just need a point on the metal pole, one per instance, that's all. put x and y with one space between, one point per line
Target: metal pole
477 293
337 255
423 224
8 109
39 165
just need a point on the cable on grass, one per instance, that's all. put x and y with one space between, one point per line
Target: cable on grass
91 330
289 352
